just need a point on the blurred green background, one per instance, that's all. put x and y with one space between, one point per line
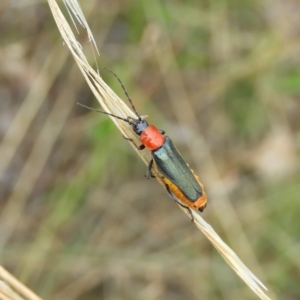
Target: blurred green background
78 219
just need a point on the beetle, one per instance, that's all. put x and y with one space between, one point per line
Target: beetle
181 183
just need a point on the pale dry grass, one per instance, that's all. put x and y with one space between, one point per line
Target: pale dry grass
12 289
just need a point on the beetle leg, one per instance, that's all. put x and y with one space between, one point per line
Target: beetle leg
170 193
179 203
201 209
161 131
141 147
149 168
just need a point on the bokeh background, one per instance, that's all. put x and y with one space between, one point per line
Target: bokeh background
78 220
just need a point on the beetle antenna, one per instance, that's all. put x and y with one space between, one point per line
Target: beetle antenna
123 87
103 112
